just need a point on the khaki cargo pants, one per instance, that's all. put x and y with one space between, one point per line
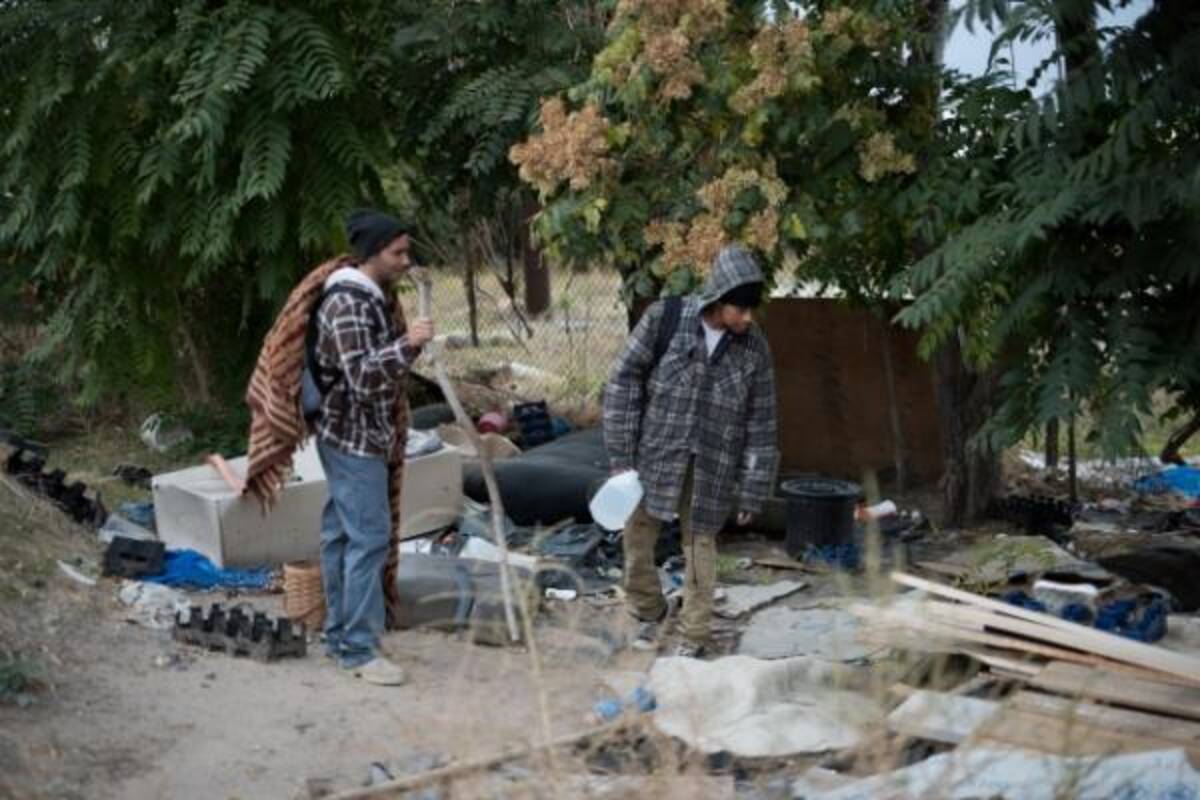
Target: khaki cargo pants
643 591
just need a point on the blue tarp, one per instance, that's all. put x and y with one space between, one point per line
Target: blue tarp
1182 480
190 569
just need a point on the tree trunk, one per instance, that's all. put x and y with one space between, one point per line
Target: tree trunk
1052 444
1178 438
472 300
899 444
535 274
972 468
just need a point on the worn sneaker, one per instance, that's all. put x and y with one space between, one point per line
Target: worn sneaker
380 671
686 649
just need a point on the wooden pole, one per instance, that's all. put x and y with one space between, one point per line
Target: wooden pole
441 774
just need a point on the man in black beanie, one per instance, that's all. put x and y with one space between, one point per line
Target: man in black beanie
359 363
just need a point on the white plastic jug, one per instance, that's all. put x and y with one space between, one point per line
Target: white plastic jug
616 500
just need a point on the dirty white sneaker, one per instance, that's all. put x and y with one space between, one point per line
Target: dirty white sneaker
380 671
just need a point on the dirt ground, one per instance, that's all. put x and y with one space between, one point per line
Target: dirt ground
125 712
105 708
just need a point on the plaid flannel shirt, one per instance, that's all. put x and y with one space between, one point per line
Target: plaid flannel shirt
718 409
359 342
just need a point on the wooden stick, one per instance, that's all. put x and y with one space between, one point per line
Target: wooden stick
1078 636
424 303
410 782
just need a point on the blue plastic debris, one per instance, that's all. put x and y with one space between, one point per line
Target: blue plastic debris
191 569
640 699
1181 480
138 513
1143 620
1019 598
846 555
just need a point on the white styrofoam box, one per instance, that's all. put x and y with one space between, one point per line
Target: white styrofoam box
194 508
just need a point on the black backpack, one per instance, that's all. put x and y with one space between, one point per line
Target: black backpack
323 379
672 310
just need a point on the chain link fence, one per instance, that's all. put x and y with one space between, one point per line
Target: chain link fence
562 355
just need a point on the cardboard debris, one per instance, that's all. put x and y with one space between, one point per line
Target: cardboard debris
827 631
743 598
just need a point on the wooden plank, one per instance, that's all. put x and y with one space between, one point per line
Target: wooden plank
1064 736
978 620
1122 720
1071 634
940 717
956 629
984 656
1097 684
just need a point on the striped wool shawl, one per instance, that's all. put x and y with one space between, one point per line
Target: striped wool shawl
277 426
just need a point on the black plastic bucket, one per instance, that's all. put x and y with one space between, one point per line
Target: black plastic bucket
820 512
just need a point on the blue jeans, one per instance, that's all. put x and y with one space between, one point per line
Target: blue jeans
355 533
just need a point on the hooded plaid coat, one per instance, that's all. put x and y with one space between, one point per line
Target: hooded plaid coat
718 409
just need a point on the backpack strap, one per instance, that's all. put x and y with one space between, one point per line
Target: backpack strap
326 378
672 310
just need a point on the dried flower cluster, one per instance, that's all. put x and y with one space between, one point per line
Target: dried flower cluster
847 27
660 35
878 156
782 56
696 243
571 147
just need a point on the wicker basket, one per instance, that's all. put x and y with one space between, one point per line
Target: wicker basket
303 594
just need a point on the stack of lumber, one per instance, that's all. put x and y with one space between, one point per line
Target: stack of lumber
1080 691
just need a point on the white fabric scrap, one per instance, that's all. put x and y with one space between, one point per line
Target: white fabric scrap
1022 775
755 708
152 605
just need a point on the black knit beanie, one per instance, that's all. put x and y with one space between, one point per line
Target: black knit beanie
371 231
746 295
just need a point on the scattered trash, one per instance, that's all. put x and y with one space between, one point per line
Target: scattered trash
116 525
1143 619
76 575
533 420
153 605
134 475
139 513
73 500
1037 515
484 550
561 594
189 568
741 599
159 432
458 594
1022 775
133 558
884 509
820 513
1172 569
846 556
421 443
616 500
237 633
827 631
766 708
640 700
495 446
1180 480
492 422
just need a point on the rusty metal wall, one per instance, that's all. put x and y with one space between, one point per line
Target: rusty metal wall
834 407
